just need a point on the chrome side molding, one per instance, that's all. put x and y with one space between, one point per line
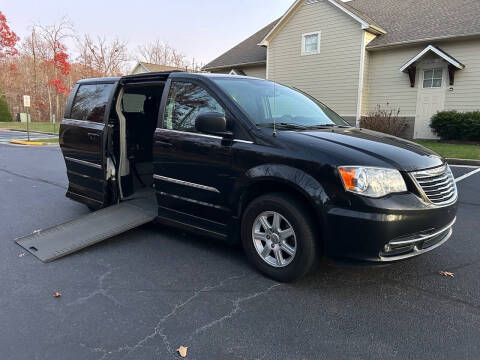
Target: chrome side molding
186 183
83 162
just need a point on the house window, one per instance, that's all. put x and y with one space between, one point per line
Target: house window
311 43
432 78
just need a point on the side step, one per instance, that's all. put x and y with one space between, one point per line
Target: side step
61 240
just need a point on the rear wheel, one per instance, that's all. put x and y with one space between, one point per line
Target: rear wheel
278 236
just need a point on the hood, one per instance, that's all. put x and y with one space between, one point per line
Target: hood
370 148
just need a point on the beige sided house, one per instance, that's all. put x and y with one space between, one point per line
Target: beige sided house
143 67
421 56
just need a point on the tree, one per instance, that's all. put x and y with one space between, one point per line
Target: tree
5 114
158 52
8 39
55 62
106 58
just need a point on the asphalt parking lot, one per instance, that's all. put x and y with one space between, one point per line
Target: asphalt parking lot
7 135
143 294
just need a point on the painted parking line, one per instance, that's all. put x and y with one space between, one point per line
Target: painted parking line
464 166
463 177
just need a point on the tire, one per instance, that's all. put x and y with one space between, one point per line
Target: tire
292 213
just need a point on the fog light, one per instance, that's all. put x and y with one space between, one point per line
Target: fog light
387 248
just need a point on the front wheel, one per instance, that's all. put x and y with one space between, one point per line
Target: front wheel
278 236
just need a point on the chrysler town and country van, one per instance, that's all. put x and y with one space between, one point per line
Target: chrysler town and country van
249 160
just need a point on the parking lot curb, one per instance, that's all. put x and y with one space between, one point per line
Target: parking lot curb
468 162
31 143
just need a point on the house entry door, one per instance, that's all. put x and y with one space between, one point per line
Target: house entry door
430 98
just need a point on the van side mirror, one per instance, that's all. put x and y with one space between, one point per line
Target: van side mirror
213 123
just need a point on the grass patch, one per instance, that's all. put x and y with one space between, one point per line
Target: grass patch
447 150
42 127
47 141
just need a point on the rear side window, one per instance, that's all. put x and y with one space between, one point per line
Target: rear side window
185 102
90 102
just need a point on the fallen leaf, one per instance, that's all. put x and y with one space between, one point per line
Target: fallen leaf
446 273
57 294
37 231
21 255
182 350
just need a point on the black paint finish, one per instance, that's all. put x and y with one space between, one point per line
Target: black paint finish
203 182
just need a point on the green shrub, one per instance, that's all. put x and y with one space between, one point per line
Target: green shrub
5 114
454 125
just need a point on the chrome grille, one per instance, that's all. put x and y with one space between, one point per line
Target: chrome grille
437 185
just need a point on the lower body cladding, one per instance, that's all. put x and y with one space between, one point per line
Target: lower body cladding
389 235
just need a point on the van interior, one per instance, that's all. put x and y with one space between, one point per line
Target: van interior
137 109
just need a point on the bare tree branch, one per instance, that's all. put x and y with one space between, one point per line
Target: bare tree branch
108 58
161 53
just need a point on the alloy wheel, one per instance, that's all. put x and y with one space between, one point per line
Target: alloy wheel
274 239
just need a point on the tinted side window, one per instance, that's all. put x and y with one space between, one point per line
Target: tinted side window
90 102
133 103
185 102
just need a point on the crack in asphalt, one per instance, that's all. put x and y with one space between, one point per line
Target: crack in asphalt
235 310
101 290
158 330
33 178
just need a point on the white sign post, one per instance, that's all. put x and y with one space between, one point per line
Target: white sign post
26 101
26 104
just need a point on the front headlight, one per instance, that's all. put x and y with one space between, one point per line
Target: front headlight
372 182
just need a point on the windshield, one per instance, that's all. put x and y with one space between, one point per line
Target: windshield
267 103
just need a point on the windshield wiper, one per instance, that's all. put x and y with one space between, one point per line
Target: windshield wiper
323 126
284 126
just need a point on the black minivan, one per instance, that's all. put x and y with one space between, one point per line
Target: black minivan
245 159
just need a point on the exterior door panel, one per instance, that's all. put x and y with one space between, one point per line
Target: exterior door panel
83 135
82 147
192 171
192 178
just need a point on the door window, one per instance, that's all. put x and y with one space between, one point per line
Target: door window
185 102
432 78
90 102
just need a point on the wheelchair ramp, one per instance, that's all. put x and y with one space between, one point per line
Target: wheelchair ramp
61 240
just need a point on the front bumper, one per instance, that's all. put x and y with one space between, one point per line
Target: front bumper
410 246
405 227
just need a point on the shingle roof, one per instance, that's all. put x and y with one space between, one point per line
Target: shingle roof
418 20
404 21
247 52
360 14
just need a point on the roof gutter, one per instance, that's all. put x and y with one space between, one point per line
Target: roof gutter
228 66
420 41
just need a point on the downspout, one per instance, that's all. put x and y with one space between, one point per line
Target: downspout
360 81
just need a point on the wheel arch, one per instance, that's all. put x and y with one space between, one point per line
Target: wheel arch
282 178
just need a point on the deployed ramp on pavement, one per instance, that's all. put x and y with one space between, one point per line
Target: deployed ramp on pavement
61 240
